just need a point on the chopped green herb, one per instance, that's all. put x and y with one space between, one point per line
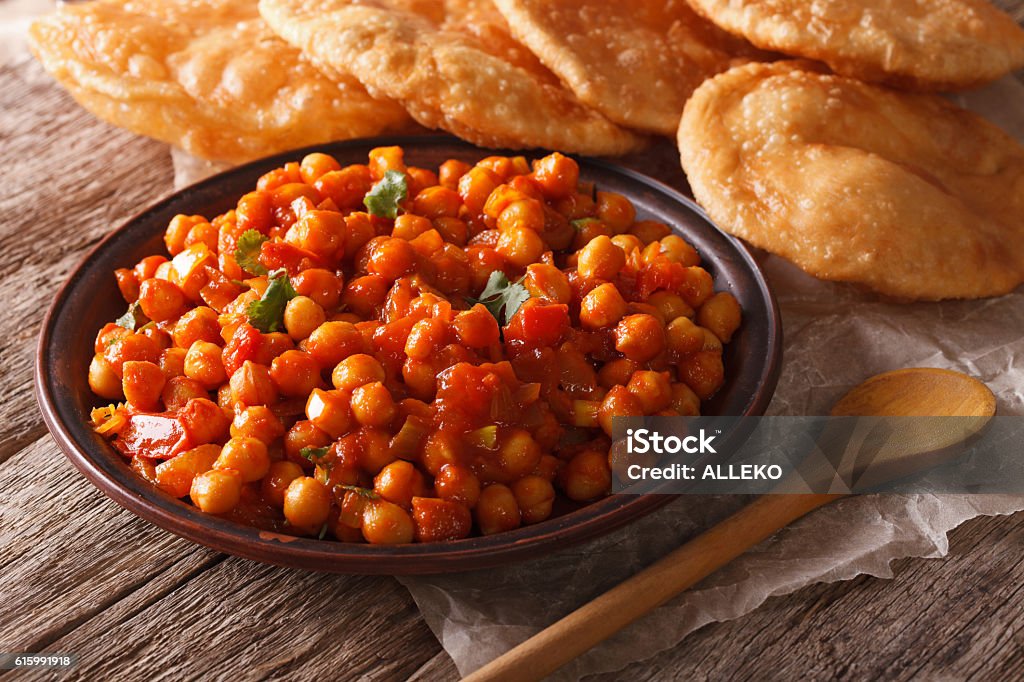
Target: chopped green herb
132 319
267 314
501 294
580 223
323 533
383 199
247 253
362 492
313 454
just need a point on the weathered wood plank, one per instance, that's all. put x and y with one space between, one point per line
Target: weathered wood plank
62 193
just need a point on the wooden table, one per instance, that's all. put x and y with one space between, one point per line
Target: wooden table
79 574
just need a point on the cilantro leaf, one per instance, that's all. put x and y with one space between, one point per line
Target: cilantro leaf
362 492
501 294
385 196
132 319
313 454
247 253
580 223
267 314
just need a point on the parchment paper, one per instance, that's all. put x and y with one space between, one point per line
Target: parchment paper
835 337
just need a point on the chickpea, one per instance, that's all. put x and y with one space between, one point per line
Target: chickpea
161 300
600 259
103 381
721 314
203 363
497 510
175 475
392 258
603 306
204 421
476 327
437 520
385 523
678 250
302 315
345 187
148 267
330 411
399 482
544 280
453 230
203 233
669 305
651 389
618 402
251 385
357 370
535 496
437 202
127 284
702 372
408 226
177 231
319 232
587 476
376 450
142 384
255 212
683 336
524 213
519 453
247 456
426 338
315 165
684 400
383 159
323 286
131 346
331 342
216 492
372 405
615 211
307 503
639 337
179 390
627 242
365 295
520 246
304 434
441 448
557 175
458 484
450 172
475 186
172 362
648 231
257 422
278 478
697 287
617 372
198 324
294 373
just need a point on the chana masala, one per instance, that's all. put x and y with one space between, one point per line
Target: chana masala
389 354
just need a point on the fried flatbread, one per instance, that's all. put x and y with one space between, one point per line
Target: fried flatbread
206 75
905 193
453 65
917 44
637 62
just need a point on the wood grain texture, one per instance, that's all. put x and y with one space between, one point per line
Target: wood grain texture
79 574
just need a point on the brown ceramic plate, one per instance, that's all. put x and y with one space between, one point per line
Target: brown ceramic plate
90 298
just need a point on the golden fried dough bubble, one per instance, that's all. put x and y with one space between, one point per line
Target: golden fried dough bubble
453 65
636 62
906 194
206 75
916 44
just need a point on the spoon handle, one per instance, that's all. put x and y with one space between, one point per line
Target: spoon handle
682 568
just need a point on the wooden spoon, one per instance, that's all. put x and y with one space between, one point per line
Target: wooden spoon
906 392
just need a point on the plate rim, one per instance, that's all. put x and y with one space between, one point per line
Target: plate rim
578 526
